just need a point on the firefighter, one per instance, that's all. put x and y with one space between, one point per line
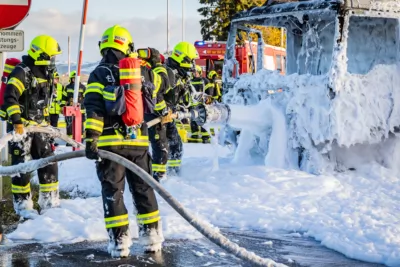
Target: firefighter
69 99
201 84
57 100
158 133
179 66
215 90
110 133
26 97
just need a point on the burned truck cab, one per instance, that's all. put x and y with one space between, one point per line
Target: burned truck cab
341 88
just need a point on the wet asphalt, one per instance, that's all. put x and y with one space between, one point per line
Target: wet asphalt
292 250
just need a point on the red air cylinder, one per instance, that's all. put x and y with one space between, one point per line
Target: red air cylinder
129 73
8 68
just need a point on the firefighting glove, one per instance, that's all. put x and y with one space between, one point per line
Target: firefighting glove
209 100
19 129
167 118
92 152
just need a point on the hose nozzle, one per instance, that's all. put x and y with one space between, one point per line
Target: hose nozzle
207 114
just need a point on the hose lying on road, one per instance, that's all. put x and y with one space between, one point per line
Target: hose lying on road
208 232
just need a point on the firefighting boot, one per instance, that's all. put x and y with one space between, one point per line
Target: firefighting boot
23 206
48 200
119 247
160 176
173 171
206 139
195 138
151 236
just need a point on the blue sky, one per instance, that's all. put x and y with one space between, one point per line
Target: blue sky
146 20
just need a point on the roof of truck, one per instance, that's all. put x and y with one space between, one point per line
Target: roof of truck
286 6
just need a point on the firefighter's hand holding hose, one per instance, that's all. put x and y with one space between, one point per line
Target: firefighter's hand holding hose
208 100
19 128
169 117
91 149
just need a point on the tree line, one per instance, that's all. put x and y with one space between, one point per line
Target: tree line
217 18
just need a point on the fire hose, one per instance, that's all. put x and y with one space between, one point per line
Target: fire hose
208 232
201 114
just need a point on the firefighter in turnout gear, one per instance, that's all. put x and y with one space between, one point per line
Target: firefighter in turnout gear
214 90
158 133
202 85
57 102
69 99
106 129
179 65
26 97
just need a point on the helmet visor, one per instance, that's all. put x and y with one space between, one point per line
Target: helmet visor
188 63
46 61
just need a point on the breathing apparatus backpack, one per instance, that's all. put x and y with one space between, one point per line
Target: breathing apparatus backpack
9 66
129 103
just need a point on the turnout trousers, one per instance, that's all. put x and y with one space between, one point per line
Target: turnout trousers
159 146
38 146
54 119
175 151
112 178
199 134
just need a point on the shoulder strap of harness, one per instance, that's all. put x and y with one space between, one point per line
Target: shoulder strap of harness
160 69
28 75
107 67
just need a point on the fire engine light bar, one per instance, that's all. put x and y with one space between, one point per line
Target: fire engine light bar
199 43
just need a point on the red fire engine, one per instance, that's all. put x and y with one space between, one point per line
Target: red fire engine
212 56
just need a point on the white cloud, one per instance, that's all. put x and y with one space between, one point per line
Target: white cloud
145 32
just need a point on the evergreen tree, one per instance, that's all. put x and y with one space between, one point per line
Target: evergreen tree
218 15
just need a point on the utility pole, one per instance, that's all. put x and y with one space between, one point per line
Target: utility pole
167 27
183 20
69 55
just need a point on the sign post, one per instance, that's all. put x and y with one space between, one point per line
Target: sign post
12 13
11 41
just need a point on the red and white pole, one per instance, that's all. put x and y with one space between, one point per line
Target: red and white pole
79 60
75 110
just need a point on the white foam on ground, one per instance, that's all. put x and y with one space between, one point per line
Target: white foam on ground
353 213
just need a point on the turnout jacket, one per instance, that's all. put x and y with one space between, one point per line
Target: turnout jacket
27 93
161 83
111 130
58 102
69 94
202 84
179 91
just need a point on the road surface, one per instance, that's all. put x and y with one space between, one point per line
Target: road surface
290 249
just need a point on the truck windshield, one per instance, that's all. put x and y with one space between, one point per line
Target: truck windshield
216 65
371 41
309 42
